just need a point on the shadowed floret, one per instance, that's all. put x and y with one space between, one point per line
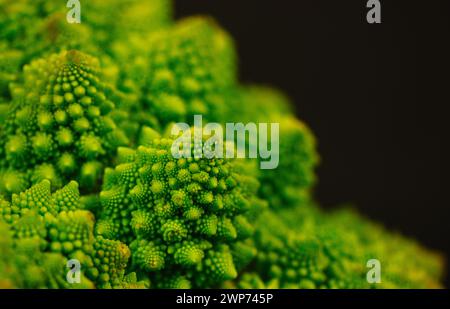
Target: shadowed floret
404 263
291 182
190 65
304 248
178 72
116 20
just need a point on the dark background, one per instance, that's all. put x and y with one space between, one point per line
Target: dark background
375 96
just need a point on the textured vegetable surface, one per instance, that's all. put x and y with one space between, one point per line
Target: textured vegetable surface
41 231
304 248
289 184
58 126
87 171
182 217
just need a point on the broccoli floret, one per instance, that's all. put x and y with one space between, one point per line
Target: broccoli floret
33 29
304 248
37 28
180 71
59 127
171 74
253 103
43 231
182 217
291 182
116 20
404 264
24 264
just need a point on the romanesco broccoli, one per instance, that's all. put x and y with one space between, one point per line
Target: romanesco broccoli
289 184
58 126
181 217
43 231
305 248
145 218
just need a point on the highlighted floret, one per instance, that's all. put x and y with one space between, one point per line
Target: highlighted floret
181 217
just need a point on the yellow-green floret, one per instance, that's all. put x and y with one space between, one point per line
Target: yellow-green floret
305 248
181 217
58 127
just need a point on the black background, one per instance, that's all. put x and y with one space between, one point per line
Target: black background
375 96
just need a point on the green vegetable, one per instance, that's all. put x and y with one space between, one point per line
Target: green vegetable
87 107
58 128
42 231
181 217
289 184
175 73
304 248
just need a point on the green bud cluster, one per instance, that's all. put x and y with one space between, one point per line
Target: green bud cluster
42 231
181 217
58 128
291 183
331 251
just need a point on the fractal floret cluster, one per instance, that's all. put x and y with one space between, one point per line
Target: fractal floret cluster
58 126
88 172
181 217
42 231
